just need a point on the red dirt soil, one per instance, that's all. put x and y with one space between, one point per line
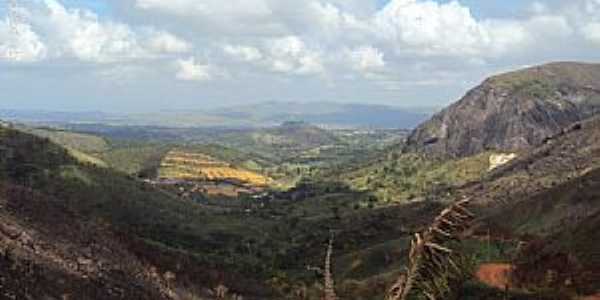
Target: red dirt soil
496 275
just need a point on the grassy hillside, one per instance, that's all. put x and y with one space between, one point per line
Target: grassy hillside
404 177
135 158
78 141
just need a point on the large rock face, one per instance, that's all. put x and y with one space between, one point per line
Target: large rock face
512 111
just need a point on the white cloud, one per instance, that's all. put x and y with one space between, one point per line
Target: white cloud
291 55
190 70
366 58
165 42
244 53
82 34
50 30
18 42
208 7
332 21
445 29
591 32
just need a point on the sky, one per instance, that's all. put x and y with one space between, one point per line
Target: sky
151 55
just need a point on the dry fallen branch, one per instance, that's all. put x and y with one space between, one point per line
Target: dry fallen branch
329 289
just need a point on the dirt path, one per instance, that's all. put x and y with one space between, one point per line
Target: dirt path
496 275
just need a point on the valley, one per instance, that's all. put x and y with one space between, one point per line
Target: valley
500 189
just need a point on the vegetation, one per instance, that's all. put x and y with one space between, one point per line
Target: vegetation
403 177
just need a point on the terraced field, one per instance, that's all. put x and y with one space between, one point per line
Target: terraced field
182 165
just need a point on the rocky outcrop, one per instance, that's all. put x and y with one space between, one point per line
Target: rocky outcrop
497 160
512 111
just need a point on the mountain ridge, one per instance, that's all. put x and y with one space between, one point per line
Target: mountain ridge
512 111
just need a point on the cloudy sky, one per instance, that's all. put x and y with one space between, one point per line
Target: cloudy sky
148 55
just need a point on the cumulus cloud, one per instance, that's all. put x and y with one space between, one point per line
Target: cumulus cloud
588 17
165 42
50 30
190 70
208 7
366 58
19 43
291 55
80 33
244 53
591 32
446 29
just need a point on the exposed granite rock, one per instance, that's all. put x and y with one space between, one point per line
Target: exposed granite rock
512 111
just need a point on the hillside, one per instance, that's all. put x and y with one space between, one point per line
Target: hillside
513 111
295 134
547 199
47 249
412 177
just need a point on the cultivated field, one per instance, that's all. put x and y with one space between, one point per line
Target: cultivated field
181 165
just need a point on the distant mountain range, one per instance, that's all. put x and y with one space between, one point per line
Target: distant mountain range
328 114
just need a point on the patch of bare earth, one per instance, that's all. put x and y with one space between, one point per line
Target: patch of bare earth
495 275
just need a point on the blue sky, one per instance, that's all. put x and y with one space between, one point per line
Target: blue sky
145 55
481 8
99 6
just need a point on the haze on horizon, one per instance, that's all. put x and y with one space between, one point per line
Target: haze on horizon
148 55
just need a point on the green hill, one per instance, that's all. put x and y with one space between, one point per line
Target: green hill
413 177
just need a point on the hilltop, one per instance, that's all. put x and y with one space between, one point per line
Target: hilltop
512 111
